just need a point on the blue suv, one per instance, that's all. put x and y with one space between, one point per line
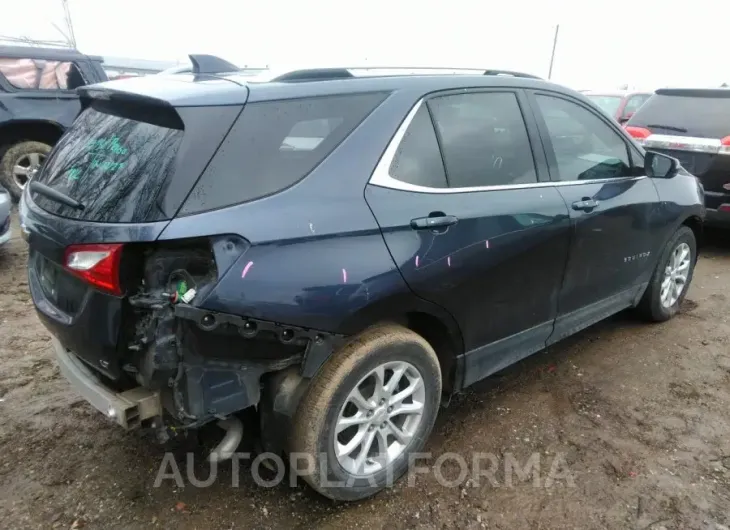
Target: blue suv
337 251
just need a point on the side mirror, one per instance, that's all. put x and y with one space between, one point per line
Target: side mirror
661 166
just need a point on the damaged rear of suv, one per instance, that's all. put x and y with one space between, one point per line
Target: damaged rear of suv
182 262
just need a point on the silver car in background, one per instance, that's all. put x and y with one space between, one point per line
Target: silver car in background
4 216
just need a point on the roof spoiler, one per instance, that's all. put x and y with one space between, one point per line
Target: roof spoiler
210 64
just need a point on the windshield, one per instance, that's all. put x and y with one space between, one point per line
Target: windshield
609 104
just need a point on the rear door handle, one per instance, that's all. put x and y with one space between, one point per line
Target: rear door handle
586 205
427 223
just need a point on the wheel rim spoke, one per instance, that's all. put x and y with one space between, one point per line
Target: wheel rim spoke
395 380
366 445
406 408
401 436
346 450
357 399
348 421
414 385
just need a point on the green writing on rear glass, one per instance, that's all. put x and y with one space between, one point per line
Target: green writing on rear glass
108 145
73 174
104 154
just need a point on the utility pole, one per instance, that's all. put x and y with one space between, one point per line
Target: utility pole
552 55
69 33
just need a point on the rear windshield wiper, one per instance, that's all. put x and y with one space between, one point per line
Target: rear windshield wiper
667 127
55 195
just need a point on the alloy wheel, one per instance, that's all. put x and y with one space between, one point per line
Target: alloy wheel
675 275
25 167
379 418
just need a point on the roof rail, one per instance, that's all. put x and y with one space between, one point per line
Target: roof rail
510 73
316 74
210 64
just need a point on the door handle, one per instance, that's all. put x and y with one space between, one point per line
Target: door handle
586 205
431 222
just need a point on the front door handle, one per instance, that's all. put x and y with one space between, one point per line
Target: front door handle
586 205
432 222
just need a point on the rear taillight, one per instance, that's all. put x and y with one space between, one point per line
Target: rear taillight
638 133
725 146
98 265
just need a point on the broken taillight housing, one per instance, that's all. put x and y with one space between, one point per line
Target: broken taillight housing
97 264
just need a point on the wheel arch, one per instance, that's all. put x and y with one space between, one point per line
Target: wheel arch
45 131
694 223
429 320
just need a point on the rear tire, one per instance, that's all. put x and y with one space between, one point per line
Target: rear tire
675 266
17 164
398 426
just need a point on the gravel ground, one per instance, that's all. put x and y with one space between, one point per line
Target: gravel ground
637 416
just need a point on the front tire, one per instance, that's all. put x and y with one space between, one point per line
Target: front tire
372 404
672 277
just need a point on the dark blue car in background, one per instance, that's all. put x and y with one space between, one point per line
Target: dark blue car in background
339 251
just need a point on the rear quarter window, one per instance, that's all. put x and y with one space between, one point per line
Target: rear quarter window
274 144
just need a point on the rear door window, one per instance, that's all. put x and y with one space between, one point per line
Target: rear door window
484 139
698 113
39 74
274 144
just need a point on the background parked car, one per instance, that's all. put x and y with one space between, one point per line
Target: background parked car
38 102
620 104
692 125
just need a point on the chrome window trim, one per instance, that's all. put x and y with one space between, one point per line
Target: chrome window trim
381 175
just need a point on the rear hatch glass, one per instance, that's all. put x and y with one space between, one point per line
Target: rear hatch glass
698 113
112 165
121 159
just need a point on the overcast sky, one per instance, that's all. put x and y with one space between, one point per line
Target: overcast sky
602 43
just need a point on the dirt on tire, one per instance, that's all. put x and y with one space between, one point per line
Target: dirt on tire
626 425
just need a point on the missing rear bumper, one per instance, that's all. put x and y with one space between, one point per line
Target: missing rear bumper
127 409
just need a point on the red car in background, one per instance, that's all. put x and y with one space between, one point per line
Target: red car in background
621 104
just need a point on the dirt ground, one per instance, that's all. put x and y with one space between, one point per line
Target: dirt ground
639 413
